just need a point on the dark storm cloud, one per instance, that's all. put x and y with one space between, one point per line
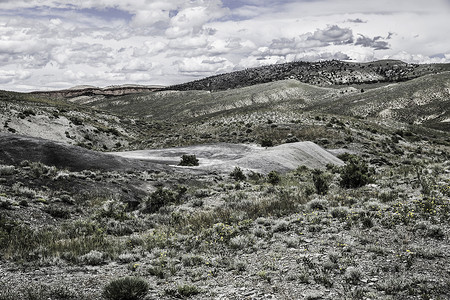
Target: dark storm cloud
376 43
333 35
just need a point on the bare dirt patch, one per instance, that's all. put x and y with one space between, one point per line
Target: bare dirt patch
224 157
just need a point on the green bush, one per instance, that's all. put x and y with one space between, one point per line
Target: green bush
162 197
188 160
127 288
320 182
237 174
183 291
273 177
266 143
355 173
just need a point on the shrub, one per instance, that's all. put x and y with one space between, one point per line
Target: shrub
436 232
355 173
127 288
76 121
320 182
7 170
162 197
339 212
273 177
183 291
188 160
46 292
266 143
239 242
28 112
318 204
353 275
237 174
93 258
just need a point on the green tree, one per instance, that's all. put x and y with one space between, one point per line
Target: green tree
273 177
188 160
237 174
355 173
320 182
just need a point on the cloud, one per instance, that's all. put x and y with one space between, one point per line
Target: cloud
375 43
104 42
203 65
191 20
357 20
333 35
418 58
13 76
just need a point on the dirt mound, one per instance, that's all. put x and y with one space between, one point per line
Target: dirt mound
17 148
224 157
215 157
287 157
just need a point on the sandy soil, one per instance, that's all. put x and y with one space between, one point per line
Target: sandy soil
224 157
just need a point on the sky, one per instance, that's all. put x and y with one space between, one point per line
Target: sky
53 44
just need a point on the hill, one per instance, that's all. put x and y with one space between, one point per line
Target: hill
87 90
424 100
325 73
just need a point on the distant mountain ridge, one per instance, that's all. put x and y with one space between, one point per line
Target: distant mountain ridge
87 90
324 73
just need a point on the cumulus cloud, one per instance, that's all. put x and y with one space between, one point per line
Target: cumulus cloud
376 43
333 35
103 42
418 58
13 76
357 20
204 65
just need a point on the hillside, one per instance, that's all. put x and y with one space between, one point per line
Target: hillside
60 120
424 101
326 73
79 91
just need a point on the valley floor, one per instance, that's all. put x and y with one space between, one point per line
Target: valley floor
212 236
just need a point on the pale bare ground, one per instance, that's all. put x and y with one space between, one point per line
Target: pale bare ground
223 157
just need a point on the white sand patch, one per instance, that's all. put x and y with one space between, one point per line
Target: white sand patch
224 157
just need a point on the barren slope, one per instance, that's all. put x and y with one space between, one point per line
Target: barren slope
224 157
425 100
16 148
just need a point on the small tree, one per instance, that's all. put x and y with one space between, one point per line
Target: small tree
237 174
266 143
162 197
188 160
355 173
273 177
320 182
